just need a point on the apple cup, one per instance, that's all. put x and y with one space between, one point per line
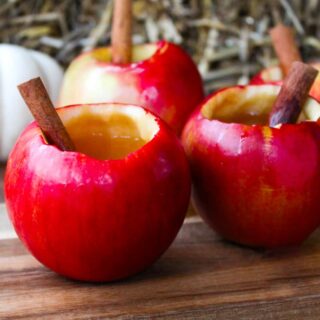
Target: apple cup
161 78
253 184
274 75
108 210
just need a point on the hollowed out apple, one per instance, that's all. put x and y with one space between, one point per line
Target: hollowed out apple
273 75
110 209
161 77
253 184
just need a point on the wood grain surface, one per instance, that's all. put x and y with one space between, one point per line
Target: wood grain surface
199 277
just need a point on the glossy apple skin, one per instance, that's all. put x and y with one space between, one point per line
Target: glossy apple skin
266 76
96 220
255 185
168 83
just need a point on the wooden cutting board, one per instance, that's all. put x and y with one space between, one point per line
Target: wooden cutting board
200 276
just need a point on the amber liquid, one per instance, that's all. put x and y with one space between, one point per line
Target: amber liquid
250 118
254 110
102 138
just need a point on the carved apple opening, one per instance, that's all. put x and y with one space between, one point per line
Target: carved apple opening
139 53
107 131
161 78
274 75
251 105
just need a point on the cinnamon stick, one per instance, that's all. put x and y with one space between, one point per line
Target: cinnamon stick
293 94
285 46
121 31
37 99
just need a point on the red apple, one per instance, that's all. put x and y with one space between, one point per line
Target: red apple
273 75
254 185
90 218
162 78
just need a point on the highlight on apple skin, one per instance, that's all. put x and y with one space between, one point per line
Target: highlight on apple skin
94 219
254 185
161 78
273 75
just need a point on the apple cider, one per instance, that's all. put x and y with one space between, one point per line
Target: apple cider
250 118
236 106
111 137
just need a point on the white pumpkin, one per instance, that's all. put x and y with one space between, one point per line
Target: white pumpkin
18 65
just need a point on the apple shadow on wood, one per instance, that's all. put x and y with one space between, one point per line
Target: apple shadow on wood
197 253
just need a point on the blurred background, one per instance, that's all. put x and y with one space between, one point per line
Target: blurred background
227 39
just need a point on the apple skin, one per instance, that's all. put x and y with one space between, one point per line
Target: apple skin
273 75
97 220
167 83
255 185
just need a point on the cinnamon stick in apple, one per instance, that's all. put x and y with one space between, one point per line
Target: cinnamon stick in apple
37 99
285 46
294 92
121 43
